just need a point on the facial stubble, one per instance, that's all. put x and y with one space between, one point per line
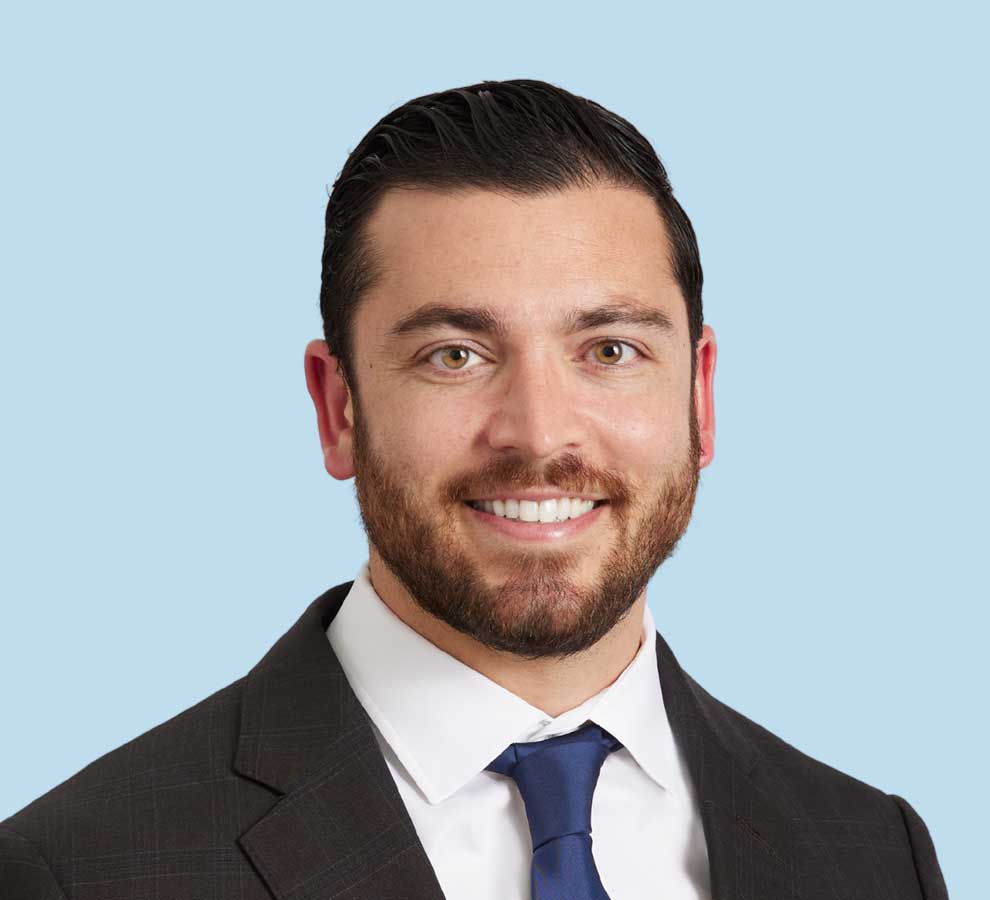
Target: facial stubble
536 611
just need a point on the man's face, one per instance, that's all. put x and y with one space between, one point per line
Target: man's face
455 410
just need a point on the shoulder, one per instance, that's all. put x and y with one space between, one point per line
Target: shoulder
807 790
820 806
768 755
176 776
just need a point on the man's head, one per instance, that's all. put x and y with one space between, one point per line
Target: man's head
512 305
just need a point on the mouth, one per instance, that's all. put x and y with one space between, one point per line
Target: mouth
560 509
528 520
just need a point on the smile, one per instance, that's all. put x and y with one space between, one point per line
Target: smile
524 525
560 509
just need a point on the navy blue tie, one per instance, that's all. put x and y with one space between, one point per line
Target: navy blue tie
557 779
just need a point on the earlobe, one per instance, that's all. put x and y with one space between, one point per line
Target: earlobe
334 412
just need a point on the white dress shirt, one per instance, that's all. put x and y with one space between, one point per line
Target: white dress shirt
440 722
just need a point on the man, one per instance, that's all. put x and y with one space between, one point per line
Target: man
517 375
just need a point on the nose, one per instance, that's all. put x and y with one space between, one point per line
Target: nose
536 413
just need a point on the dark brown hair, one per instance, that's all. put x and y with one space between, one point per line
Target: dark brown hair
521 137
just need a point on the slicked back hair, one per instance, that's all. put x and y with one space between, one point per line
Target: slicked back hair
522 137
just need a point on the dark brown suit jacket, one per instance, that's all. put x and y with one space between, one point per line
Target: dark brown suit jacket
275 787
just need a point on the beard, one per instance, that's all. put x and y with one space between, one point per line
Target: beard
537 611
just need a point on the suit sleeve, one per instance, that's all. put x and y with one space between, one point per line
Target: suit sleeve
923 850
24 874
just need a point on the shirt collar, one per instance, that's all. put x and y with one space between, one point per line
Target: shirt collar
446 722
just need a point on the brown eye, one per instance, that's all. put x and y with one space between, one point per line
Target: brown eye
454 355
608 353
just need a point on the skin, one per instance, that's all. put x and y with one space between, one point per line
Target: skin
441 416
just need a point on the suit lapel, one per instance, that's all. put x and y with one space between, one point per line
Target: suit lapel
750 848
339 827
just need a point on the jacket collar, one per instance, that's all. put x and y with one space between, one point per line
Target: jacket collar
340 827
751 852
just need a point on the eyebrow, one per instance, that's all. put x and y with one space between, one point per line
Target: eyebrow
483 320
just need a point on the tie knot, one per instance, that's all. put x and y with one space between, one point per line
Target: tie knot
557 779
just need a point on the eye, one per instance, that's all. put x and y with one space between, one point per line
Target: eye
609 359
454 358
455 354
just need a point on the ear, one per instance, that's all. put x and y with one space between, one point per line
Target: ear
334 413
704 378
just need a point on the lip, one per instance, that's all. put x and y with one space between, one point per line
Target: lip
536 531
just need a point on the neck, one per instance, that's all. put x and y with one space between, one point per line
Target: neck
553 686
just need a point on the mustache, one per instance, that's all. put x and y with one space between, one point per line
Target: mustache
567 473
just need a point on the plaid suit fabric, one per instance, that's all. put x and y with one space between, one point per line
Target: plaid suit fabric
275 786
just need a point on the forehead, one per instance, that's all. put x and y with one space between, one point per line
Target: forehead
533 258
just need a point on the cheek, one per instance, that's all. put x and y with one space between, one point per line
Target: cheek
424 441
644 434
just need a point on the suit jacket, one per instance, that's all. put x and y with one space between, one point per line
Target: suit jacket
275 786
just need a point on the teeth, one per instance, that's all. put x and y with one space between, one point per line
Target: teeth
531 511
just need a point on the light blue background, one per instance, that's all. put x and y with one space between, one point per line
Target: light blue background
166 515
